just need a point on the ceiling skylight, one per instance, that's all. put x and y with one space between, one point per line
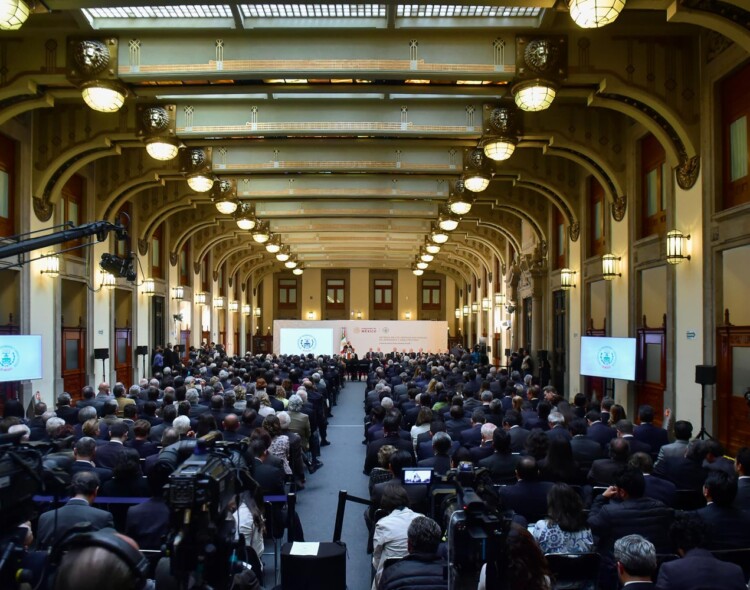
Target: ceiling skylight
313 10
178 11
458 10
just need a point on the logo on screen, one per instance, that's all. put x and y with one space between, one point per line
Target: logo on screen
306 342
9 358
607 357
386 330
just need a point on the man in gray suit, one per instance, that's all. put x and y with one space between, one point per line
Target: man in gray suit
683 430
54 524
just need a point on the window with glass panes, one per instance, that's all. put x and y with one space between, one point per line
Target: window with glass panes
382 296
559 232
74 209
184 260
7 186
654 178
157 271
431 290
335 293
287 293
596 221
735 112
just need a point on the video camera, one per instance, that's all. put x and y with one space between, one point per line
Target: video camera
476 527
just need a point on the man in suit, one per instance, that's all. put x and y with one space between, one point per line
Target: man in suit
656 487
686 473
585 450
622 510
624 430
87 399
728 528
557 429
84 453
603 471
148 523
518 434
64 409
472 437
390 437
742 467
528 496
598 430
502 463
54 524
683 432
441 447
108 453
457 422
485 448
646 432
636 562
697 568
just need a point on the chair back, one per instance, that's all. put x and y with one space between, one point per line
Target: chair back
741 557
689 500
574 570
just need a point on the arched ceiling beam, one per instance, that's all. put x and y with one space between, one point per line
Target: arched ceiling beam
487 243
236 268
472 256
730 18
213 241
182 203
228 254
462 273
552 193
126 191
518 212
497 228
191 230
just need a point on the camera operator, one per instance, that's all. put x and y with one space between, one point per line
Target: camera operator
54 524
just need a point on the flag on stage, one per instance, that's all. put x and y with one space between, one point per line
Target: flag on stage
343 340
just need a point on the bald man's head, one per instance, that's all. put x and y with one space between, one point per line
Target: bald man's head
231 422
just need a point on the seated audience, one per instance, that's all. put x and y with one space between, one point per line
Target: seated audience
636 562
728 527
565 529
422 567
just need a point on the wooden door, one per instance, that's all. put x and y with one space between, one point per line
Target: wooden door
651 368
732 380
236 344
9 389
185 345
560 342
205 337
124 356
595 386
74 361
527 324
222 339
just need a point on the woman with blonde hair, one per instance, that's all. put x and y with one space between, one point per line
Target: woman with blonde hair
265 404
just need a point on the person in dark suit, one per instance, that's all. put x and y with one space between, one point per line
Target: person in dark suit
457 422
518 434
54 524
502 463
528 496
636 562
728 528
622 510
472 437
598 430
84 453
742 466
168 414
141 443
603 471
485 448
108 453
683 432
65 410
646 432
87 399
585 450
127 480
624 430
390 437
557 428
148 523
686 473
440 461
656 487
697 568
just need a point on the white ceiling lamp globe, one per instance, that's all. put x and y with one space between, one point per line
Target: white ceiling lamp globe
418 271
427 257
226 206
261 236
282 256
290 263
246 222
448 223
298 271
104 97
13 13
533 96
439 237
432 248
476 182
460 206
422 265
162 149
273 247
499 149
200 183
592 14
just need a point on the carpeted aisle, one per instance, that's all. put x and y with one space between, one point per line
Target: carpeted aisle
343 461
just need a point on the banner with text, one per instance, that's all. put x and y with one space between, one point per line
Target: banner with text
363 335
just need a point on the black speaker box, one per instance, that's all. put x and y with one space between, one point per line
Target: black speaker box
705 374
507 352
324 571
141 350
543 355
101 354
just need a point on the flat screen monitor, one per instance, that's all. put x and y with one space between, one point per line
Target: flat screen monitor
610 358
416 475
20 358
306 341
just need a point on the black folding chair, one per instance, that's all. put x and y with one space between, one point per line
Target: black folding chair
572 571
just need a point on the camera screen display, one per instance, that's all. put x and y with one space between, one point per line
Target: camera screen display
417 475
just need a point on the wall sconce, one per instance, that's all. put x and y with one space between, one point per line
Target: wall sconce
50 265
567 278
499 299
458 313
310 315
178 293
359 315
475 307
486 304
246 309
466 310
219 302
676 246
149 288
108 280
609 267
407 315
234 305
200 298
257 312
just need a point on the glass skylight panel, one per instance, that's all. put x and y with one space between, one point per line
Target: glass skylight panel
313 10
149 12
464 11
